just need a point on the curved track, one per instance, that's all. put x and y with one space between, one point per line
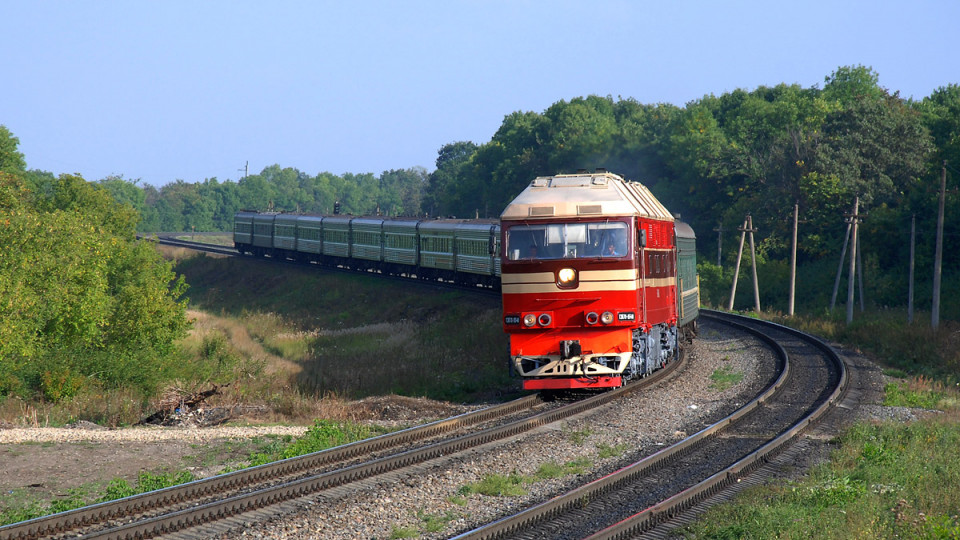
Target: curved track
201 502
631 502
637 499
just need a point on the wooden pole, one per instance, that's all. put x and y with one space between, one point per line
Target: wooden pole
793 259
938 258
719 229
753 264
843 256
736 270
913 246
853 261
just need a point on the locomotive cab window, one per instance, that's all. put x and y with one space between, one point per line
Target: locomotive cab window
582 240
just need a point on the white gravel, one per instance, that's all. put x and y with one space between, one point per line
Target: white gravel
141 434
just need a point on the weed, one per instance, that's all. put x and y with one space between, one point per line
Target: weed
580 436
435 522
920 392
403 532
552 469
724 378
605 450
497 485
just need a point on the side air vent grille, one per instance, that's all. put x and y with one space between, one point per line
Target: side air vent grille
541 211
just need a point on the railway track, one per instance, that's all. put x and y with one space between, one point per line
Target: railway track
658 489
638 500
204 501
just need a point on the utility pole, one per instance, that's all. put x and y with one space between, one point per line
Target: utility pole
853 260
753 264
245 169
793 259
719 231
913 247
736 270
747 228
843 256
938 258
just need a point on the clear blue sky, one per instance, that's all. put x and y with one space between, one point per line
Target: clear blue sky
161 91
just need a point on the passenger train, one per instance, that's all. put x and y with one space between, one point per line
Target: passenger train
598 279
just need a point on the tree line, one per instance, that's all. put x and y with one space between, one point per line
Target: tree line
713 161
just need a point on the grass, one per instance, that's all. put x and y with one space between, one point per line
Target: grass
885 479
20 508
724 378
323 435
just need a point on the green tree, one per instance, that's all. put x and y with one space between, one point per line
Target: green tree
442 185
82 299
11 160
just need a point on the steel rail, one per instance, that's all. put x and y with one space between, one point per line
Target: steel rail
648 518
90 515
669 508
212 511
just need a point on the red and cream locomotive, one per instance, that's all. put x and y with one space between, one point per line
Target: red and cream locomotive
598 279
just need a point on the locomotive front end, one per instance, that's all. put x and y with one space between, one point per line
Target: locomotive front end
572 280
570 301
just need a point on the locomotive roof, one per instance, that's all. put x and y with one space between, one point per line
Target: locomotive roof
584 195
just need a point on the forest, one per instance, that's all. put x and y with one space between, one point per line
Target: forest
713 162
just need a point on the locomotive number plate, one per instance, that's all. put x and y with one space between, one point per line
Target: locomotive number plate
626 316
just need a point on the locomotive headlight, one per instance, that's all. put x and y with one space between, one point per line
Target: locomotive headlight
544 319
566 276
529 319
592 317
607 317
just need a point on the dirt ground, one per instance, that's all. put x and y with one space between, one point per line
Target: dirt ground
49 463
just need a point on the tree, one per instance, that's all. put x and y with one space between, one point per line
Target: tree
82 298
11 160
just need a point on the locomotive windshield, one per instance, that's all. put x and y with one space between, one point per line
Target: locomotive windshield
544 241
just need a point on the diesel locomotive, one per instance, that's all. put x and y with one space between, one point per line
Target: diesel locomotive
598 281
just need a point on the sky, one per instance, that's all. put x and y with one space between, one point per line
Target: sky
185 90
